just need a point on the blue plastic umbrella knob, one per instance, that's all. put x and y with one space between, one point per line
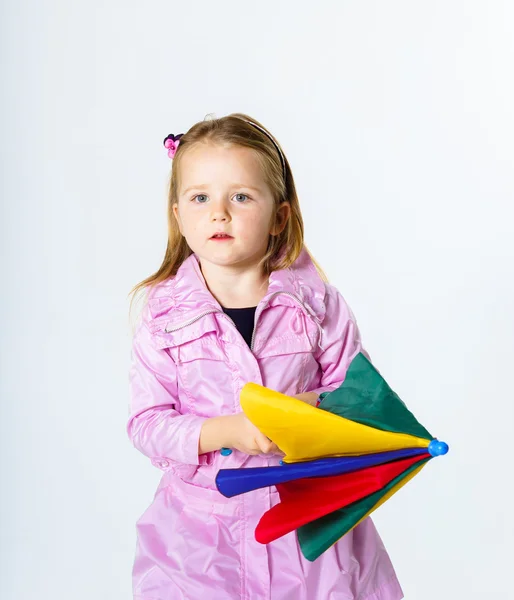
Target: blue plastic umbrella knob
226 451
437 448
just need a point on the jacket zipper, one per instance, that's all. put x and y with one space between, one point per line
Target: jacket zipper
197 318
215 310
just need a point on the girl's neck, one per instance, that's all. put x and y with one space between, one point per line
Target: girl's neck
235 287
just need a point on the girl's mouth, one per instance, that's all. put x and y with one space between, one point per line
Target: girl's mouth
221 236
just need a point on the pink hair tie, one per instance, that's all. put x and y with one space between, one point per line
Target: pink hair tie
171 142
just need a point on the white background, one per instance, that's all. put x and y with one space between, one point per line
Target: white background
397 118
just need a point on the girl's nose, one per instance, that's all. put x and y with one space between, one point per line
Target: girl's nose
219 212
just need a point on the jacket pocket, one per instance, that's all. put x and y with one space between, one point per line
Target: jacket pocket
205 376
192 494
285 332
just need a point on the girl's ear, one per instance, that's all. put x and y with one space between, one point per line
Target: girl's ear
177 217
282 215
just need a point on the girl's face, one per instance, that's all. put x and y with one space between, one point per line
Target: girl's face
224 207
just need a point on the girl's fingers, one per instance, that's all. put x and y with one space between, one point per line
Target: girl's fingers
274 449
269 447
264 443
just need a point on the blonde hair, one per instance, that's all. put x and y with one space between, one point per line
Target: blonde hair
234 129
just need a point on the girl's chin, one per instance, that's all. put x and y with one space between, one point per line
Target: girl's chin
231 259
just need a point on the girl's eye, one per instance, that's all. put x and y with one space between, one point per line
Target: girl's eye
202 198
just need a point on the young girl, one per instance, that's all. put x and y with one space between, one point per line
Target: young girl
237 299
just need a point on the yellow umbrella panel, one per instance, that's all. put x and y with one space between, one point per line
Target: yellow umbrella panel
303 432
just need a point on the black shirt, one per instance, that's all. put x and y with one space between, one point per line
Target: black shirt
244 321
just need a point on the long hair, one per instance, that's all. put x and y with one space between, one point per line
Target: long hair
234 129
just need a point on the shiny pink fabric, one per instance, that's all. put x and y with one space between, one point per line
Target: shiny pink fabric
189 363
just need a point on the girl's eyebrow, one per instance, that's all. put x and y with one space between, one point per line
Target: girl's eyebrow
235 185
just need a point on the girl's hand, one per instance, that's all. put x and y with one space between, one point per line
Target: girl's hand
308 397
244 436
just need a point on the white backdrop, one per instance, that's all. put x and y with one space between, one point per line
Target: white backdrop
397 120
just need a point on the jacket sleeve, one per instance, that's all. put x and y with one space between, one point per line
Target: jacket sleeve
155 425
341 341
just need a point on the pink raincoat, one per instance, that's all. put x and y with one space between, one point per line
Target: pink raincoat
189 363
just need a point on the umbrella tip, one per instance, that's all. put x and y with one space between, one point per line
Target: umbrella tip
437 448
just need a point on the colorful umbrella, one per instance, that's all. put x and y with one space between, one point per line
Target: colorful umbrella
342 459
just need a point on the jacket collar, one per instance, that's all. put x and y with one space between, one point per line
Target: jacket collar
188 295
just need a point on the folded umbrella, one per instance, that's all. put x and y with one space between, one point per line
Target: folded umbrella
342 459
